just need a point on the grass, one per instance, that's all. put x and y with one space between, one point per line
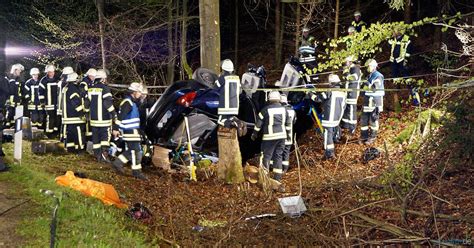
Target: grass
82 221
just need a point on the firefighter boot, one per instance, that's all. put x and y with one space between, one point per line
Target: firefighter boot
104 156
139 175
118 166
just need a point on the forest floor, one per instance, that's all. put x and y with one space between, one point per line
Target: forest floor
388 200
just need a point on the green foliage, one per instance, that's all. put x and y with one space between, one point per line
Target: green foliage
82 221
396 4
400 175
438 59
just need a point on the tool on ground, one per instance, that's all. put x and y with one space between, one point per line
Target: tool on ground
53 225
294 205
192 167
139 212
316 118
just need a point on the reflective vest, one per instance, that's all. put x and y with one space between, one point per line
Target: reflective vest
290 112
14 99
399 49
72 105
229 92
353 77
374 98
101 105
334 103
132 119
272 120
48 92
32 94
359 26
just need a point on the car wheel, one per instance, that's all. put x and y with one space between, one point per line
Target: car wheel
205 76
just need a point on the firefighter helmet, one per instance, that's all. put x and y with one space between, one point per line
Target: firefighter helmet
17 67
101 74
357 13
136 87
67 70
227 65
274 96
351 29
49 68
334 79
283 99
91 72
34 71
73 77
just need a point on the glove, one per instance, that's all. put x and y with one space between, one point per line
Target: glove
254 136
376 113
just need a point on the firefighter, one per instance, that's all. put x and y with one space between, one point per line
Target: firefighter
48 96
229 93
352 75
85 84
333 108
291 114
14 99
400 49
101 112
307 52
6 89
348 38
129 124
357 23
32 97
373 104
73 114
273 122
61 84
88 80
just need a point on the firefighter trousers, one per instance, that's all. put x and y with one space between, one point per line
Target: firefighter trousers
100 139
10 117
330 136
369 131
349 118
286 158
272 151
74 137
133 154
37 118
52 122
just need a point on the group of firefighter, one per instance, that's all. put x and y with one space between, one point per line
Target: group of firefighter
76 110
339 102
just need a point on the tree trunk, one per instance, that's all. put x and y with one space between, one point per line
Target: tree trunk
358 5
187 71
407 14
282 30
336 23
210 34
437 33
100 11
230 161
236 37
298 24
171 54
277 34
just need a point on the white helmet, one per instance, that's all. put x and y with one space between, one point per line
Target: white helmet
351 58
145 90
101 74
357 13
34 71
91 72
17 67
283 99
333 78
227 65
351 29
73 77
136 87
67 70
372 65
49 68
274 96
305 29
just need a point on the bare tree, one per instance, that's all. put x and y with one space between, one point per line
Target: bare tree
210 34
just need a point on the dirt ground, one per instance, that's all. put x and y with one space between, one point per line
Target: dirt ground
13 209
347 204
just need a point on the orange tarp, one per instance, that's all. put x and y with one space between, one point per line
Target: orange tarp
105 192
